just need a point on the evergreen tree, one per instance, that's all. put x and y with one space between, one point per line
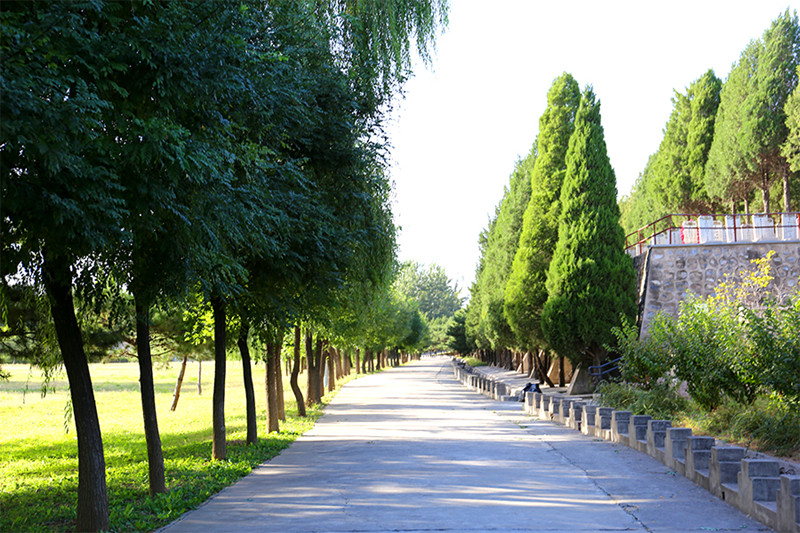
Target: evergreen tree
643 205
728 176
475 323
502 238
679 166
791 148
751 123
765 128
591 280
525 291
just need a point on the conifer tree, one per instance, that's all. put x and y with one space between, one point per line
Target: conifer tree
590 282
765 125
501 245
791 148
751 122
525 292
727 173
679 166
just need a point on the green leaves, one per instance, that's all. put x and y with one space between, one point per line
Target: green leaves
525 291
590 281
751 122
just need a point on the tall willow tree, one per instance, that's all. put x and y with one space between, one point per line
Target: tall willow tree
591 280
525 291
374 40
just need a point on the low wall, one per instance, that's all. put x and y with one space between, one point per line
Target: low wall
672 270
753 484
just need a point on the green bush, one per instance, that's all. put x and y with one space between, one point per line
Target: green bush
660 401
706 343
765 425
474 361
644 361
773 345
737 344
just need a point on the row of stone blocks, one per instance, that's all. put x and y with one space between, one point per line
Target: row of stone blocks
755 486
485 385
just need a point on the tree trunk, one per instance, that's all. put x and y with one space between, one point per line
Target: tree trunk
270 382
339 365
787 204
318 360
358 361
219 446
155 456
346 363
249 390
279 378
177 394
92 492
561 380
298 394
312 393
765 199
541 368
331 368
199 377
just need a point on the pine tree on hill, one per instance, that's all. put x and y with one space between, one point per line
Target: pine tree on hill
591 281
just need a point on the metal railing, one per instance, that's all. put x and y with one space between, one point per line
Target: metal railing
695 228
598 373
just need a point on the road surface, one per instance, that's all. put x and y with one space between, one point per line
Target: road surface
411 450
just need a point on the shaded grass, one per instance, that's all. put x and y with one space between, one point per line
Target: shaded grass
474 361
38 458
660 402
763 426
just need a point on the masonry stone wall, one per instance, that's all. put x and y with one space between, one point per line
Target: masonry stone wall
673 270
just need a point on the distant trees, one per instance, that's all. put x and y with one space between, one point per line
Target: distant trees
681 159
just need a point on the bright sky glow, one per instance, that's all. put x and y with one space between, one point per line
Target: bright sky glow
462 125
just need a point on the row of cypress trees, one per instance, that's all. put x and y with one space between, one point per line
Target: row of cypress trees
729 145
553 276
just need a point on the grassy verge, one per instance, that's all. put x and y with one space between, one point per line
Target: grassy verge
38 449
762 426
474 361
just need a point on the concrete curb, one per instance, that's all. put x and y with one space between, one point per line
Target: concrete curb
754 486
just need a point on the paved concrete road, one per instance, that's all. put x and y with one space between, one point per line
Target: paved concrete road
411 450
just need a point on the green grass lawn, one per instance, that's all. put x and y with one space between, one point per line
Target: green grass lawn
38 456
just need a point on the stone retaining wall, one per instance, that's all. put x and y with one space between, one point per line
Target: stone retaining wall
672 270
754 485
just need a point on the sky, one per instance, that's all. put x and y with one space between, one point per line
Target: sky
468 117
